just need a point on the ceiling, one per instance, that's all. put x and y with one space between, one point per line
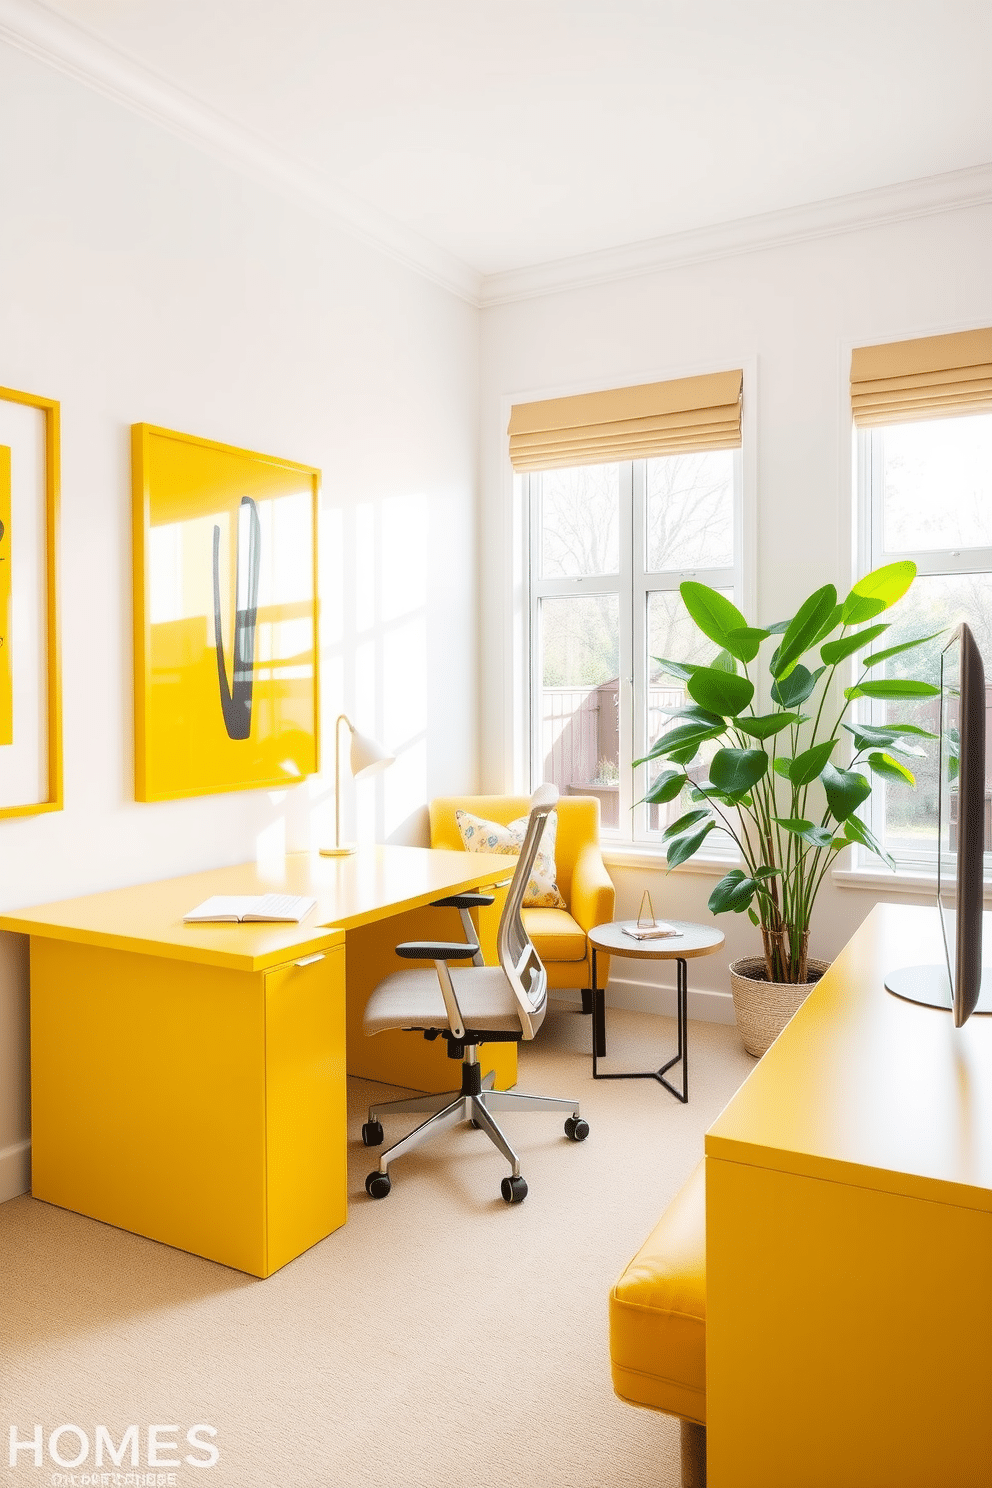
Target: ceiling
517 132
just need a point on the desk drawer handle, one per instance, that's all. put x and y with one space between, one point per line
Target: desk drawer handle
310 960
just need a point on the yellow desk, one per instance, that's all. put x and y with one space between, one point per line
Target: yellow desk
849 1240
188 1081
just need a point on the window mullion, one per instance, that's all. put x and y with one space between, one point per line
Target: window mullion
873 474
716 578
638 670
630 526
534 648
943 560
557 588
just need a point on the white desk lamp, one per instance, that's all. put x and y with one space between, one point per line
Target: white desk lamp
367 755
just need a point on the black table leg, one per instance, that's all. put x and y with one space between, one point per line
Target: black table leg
681 1057
598 1016
683 1054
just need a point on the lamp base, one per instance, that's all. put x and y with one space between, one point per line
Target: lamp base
339 852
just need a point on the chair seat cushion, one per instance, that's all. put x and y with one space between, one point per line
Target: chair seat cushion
556 936
412 999
658 1312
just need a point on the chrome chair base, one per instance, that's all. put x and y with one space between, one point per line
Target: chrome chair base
453 1106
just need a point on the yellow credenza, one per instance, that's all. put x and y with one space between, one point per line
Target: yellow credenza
188 1081
849 1240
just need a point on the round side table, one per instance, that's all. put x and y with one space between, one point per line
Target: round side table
688 941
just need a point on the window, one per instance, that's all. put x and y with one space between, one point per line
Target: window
609 545
926 491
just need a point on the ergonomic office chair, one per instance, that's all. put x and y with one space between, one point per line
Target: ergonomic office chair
468 1006
559 936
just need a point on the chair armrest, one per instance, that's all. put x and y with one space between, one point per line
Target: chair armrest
593 896
441 952
437 950
463 901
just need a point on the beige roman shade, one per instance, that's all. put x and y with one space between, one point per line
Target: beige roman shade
934 377
655 418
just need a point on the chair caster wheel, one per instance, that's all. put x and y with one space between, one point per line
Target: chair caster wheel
372 1134
377 1185
514 1190
576 1128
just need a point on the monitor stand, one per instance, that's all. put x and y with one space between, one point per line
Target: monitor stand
931 986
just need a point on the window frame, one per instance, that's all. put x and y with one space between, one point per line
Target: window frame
912 867
633 584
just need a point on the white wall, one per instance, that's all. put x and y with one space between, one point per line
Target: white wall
140 280
794 311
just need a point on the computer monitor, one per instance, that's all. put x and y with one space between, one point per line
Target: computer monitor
956 985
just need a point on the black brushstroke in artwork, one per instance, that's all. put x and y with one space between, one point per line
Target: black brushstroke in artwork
235 700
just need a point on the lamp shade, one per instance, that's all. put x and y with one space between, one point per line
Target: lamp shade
367 755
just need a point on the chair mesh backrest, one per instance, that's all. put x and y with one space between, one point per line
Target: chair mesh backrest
517 956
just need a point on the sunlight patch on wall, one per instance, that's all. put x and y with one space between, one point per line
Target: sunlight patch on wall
404 555
270 843
405 790
366 567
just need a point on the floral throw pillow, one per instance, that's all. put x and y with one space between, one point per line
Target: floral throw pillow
480 835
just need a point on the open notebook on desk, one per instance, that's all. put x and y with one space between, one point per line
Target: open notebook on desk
233 909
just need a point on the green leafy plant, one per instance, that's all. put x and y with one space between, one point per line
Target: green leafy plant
774 783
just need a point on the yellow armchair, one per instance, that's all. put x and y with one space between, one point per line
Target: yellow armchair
559 935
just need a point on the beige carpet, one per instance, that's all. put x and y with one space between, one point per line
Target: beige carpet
441 1339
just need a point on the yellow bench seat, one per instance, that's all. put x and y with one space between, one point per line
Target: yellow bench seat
658 1312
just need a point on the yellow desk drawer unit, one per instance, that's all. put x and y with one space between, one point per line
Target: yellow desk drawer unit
205 1109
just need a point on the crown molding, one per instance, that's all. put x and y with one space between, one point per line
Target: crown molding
52 39
921 198
33 28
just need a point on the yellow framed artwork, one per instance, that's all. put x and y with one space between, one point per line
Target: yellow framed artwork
226 667
30 666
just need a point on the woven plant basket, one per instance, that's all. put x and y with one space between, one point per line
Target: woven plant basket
763 1008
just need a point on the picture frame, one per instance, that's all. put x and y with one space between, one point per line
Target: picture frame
226 638
30 647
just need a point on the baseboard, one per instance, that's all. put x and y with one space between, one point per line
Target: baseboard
15 1170
623 992
651 997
